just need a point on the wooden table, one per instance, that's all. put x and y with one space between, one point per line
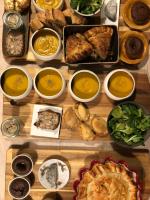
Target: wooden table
105 105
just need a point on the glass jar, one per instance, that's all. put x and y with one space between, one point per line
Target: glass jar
10 127
12 20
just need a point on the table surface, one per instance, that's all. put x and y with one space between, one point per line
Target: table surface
4 143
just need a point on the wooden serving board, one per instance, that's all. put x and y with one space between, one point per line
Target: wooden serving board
76 159
101 106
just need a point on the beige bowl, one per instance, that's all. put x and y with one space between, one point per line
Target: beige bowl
39 9
77 97
45 58
52 96
27 91
106 82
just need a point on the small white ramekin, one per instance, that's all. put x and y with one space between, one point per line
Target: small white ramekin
45 58
106 82
23 196
78 98
28 88
39 9
54 96
25 155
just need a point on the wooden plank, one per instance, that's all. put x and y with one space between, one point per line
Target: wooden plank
138 160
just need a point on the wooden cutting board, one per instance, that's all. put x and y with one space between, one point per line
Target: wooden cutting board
101 106
76 159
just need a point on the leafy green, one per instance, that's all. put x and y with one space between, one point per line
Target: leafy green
86 6
128 123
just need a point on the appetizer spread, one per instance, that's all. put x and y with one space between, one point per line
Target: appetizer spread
128 124
53 174
108 180
90 125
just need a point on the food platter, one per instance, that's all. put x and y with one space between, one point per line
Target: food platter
59 94
138 160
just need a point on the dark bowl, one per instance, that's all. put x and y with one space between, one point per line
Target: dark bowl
121 143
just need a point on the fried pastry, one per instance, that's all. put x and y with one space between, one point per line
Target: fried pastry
108 181
75 18
18 5
87 133
100 38
99 126
81 111
71 119
77 49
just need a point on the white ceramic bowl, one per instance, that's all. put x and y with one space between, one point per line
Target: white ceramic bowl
78 98
28 88
27 156
106 81
24 195
54 96
39 9
88 15
45 58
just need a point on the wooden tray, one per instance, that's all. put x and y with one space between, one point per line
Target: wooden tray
101 106
138 160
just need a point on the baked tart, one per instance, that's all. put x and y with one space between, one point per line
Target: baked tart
136 14
133 47
109 180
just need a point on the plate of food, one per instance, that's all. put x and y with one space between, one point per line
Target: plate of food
107 180
46 121
53 174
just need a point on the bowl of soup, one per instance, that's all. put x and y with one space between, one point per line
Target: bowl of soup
49 83
84 86
45 44
119 84
42 5
15 83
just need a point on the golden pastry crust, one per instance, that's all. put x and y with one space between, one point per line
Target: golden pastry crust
109 181
71 119
87 133
100 38
99 126
77 49
81 111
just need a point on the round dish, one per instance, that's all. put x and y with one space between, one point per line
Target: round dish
23 164
48 82
106 84
125 124
123 54
59 168
128 17
40 33
15 82
87 15
39 9
21 181
85 85
98 177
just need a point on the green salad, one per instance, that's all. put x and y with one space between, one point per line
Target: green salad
86 6
128 124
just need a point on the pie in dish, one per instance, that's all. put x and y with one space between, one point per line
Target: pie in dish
108 181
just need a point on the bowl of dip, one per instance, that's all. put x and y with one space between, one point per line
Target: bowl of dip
15 83
49 83
42 5
119 84
84 86
45 44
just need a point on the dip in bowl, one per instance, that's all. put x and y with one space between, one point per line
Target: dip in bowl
15 83
119 84
42 5
84 86
49 83
45 44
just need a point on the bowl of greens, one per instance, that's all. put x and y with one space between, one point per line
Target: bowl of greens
128 124
86 8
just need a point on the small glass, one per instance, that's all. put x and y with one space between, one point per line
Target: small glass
10 127
12 20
